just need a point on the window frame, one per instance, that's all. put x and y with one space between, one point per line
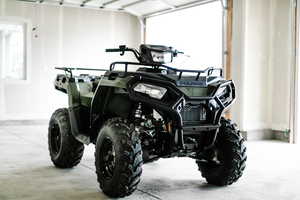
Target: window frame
27 27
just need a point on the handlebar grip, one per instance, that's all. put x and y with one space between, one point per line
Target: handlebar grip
113 50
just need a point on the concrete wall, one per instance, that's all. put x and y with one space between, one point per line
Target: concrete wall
64 37
262 51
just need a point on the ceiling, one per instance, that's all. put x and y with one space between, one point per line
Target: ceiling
140 8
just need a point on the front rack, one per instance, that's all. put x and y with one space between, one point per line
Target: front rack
208 71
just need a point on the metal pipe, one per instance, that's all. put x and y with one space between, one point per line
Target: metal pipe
224 33
143 29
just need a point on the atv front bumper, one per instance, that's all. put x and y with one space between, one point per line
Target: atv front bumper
176 106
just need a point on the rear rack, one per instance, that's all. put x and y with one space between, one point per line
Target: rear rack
208 71
70 69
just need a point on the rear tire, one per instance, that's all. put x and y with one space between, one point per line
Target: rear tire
65 150
118 158
227 160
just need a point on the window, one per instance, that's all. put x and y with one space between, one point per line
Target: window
12 50
197 31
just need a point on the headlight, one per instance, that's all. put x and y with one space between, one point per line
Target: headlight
161 57
221 91
151 90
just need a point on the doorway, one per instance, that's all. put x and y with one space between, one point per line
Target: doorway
197 31
207 33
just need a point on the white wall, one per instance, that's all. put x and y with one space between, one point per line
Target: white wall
261 63
281 63
257 52
238 66
65 37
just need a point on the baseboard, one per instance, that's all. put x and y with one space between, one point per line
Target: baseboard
263 134
282 135
23 122
266 134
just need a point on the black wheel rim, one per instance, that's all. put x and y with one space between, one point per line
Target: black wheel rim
218 158
107 158
214 157
55 139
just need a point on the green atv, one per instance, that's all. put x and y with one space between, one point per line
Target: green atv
137 117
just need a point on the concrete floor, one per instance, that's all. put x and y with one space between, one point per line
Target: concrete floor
26 173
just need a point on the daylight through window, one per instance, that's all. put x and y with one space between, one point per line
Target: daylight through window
12 48
197 31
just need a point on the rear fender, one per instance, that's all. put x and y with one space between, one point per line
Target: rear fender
77 113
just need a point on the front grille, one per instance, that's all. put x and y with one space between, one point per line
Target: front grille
194 113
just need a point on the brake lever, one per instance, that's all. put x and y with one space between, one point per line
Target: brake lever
175 53
122 48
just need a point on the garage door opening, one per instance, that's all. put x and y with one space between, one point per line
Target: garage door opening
197 31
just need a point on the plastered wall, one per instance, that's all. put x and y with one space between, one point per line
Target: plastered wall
64 36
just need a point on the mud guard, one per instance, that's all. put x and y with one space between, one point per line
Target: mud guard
75 114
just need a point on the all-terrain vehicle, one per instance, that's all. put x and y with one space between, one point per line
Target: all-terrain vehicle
137 117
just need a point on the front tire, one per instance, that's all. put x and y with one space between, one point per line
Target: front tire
118 158
224 164
65 150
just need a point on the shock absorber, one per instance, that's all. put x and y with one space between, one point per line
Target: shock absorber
138 111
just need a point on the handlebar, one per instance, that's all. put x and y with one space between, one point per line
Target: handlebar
122 49
113 50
